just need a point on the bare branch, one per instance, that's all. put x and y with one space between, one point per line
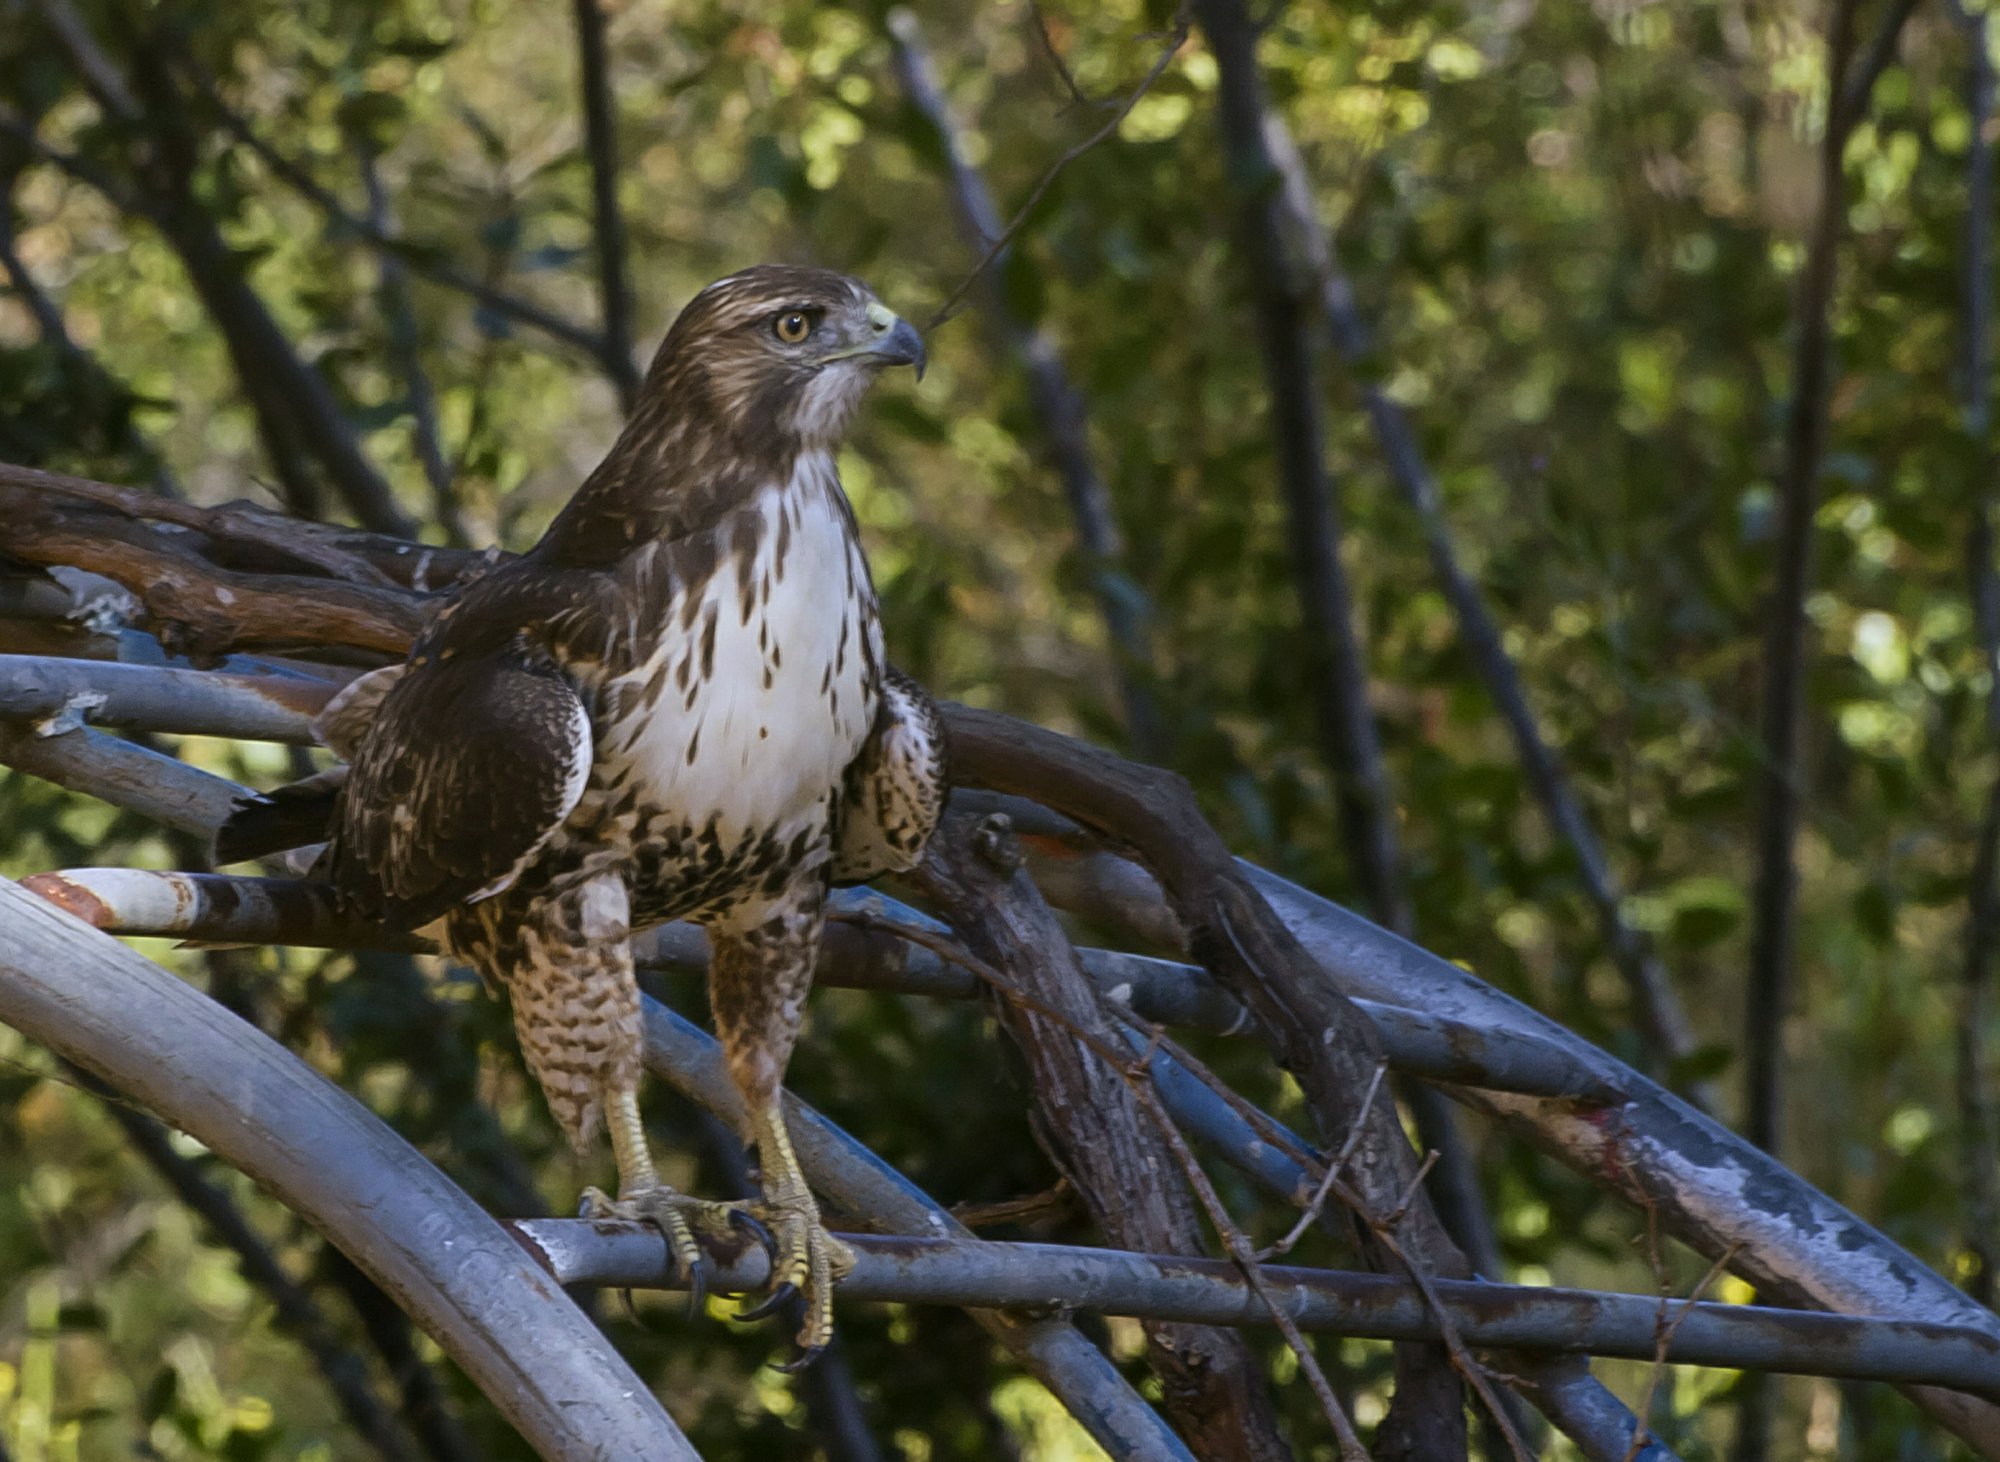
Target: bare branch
57 695
193 604
243 535
402 325
298 1314
1058 406
1006 235
853 1181
120 772
600 126
1087 1120
1781 776
1056 61
423 258
504 1321
1547 1319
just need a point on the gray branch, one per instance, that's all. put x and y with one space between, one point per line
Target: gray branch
855 1182
1710 1188
298 1313
971 1272
222 909
502 1319
1803 1246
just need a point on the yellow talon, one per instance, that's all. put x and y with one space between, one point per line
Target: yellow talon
809 1259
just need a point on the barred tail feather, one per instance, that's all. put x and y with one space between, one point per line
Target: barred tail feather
288 817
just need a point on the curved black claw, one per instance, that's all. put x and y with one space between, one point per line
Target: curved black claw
637 1316
800 1361
697 1279
783 1295
754 1227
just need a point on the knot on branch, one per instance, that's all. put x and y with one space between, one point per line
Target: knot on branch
995 845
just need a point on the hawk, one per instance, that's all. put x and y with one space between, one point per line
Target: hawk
675 706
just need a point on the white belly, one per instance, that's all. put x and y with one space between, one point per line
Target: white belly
757 744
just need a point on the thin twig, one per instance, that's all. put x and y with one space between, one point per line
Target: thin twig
1454 1344
1642 1433
600 133
420 256
1238 1247
1055 59
425 431
950 306
1402 1208
1310 1215
1058 406
1137 1073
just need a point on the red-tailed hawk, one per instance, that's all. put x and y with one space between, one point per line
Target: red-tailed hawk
676 705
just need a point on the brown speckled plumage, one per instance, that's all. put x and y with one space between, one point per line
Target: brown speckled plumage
675 706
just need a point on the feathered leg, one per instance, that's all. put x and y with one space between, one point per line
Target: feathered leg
564 953
760 968
895 789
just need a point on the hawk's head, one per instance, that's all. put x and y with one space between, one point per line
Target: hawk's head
781 351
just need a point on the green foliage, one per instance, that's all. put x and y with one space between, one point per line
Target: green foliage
1577 229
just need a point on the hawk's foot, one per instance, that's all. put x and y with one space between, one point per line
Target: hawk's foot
690 1226
808 1259
807 1263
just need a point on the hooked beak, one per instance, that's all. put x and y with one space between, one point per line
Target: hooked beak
896 340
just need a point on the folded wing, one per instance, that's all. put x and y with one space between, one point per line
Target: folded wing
469 768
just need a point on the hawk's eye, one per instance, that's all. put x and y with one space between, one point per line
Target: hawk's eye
792 326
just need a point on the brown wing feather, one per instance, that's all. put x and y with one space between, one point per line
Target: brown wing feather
468 769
